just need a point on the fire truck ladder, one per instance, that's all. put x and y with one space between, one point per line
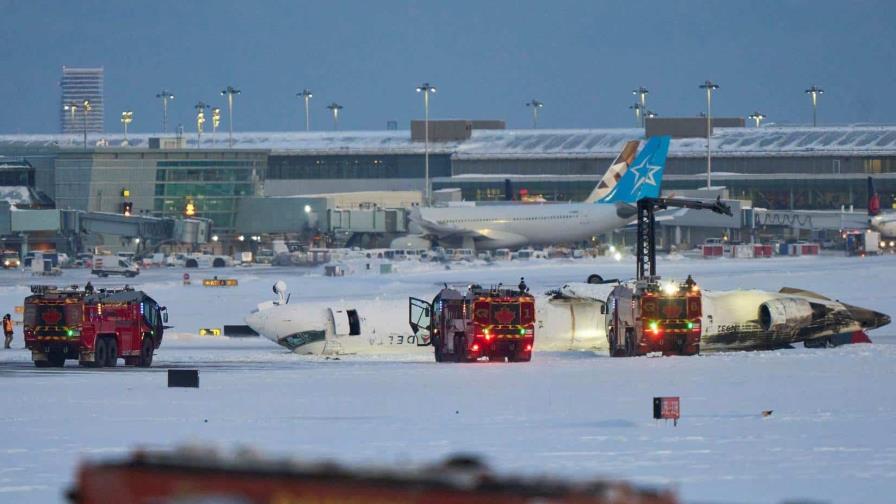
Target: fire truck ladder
647 207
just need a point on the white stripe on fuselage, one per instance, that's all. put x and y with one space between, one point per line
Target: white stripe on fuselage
532 224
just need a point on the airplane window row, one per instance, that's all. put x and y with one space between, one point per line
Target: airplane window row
513 219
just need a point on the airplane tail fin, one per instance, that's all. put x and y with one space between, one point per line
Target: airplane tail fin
645 176
873 199
615 172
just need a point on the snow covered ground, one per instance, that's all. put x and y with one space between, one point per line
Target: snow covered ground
576 414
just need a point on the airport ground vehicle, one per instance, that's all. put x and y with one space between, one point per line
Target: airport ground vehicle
97 328
11 260
202 475
648 316
498 323
105 265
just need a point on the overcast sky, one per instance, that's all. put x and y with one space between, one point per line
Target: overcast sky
487 58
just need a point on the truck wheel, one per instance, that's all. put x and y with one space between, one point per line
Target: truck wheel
629 343
56 359
614 344
459 353
146 349
42 363
111 352
594 278
100 353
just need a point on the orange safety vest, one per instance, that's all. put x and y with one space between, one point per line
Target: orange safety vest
7 325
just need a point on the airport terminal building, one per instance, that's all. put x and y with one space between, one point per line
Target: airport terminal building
778 168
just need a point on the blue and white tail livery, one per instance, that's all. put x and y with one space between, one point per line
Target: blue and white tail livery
645 176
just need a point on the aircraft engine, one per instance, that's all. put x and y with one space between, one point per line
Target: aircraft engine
777 314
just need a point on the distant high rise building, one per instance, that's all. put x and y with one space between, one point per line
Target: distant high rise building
79 84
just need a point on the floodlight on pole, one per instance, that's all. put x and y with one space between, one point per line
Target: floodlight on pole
335 108
71 108
649 114
426 88
814 92
200 120
306 95
536 105
229 93
216 120
641 93
709 86
637 108
127 117
757 116
165 95
85 106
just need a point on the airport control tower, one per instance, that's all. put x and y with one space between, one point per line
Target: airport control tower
79 84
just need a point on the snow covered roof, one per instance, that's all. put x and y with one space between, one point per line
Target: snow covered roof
16 195
518 144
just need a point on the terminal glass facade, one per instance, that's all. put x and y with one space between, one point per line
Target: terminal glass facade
213 186
296 167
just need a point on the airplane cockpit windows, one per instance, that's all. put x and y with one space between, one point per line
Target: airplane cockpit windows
302 338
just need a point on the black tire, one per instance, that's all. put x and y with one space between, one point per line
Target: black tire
218 263
42 363
100 353
594 278
191 263
438 354
629 343
56 359
146 351
614 344
111 352
459 352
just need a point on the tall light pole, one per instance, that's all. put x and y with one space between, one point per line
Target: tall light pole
165 95
216 120
71 108
200 120
85 106
335 108
641 93
757 116
536 105
814 92
426 88
709 86
126 118
306 95
637 108
229 93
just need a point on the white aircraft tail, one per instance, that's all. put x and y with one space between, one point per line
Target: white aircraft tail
615 172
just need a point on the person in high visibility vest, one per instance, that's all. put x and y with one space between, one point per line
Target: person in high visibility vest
7 330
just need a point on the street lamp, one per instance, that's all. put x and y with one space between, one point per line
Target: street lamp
757 116
535 104
216 120
814 92
335 108
306 95
200 120
426 88
126 118
709 86
85 106
229 92
165 96
637 108
641 93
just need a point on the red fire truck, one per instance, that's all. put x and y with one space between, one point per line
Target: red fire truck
648 316
498 323
97 328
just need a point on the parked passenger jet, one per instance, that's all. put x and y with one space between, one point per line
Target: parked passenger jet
609 206
883 223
